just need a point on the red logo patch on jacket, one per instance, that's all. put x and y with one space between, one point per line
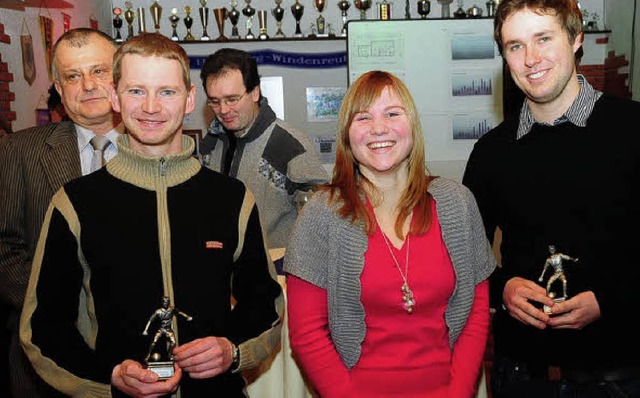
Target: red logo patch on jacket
213 244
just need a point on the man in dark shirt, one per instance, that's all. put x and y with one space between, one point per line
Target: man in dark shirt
563 172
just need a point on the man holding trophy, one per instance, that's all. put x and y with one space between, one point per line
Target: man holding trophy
158 248
562 171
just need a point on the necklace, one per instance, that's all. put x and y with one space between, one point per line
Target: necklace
408 301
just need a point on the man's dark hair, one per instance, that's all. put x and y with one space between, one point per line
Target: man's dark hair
227 59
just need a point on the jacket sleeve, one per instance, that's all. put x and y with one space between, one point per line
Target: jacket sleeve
56 340
259 308
15 261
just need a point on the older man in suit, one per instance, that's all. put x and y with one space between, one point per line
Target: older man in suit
36 162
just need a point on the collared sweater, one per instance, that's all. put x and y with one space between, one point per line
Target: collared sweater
276 161
576 188
328 251
113 243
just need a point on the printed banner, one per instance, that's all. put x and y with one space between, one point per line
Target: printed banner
28 62
46 28
289 60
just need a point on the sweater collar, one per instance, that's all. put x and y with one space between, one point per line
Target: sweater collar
578 113
150 171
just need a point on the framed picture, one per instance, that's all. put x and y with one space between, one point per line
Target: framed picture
196 134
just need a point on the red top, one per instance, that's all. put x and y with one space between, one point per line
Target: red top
403 355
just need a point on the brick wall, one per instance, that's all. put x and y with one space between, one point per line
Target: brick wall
6 77
607 77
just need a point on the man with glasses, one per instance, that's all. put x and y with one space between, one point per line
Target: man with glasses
247 141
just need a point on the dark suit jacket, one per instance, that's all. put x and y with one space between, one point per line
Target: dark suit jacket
34 164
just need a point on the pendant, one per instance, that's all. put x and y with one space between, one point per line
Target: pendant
407 297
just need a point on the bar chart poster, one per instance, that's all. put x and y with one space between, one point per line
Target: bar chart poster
469 84
471 126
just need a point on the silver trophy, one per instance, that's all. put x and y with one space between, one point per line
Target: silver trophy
554 263
160 356
117 24
278 15
249 12
297 10
129 16
204 19
262 18
174 19
156 14
142 21
445 11
344 5
363 6
234 16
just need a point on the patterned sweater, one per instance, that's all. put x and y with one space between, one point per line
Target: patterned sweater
276 161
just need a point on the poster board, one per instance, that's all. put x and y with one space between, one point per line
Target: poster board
453 70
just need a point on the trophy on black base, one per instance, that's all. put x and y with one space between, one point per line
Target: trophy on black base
160 356
188 22
234 16
278 14
174 19
424 8
554 263
117 23
129 16
204 20
297 10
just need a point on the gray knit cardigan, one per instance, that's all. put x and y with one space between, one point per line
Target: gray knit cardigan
328 251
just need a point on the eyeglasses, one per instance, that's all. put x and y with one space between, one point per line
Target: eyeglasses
228 101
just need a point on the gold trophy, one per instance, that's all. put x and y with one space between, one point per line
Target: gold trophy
234 16
204 20
384 10
129 16
248 12
156 14
278 14
320 21
221 15
363 6
188 22
117 23
297 10
174 19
